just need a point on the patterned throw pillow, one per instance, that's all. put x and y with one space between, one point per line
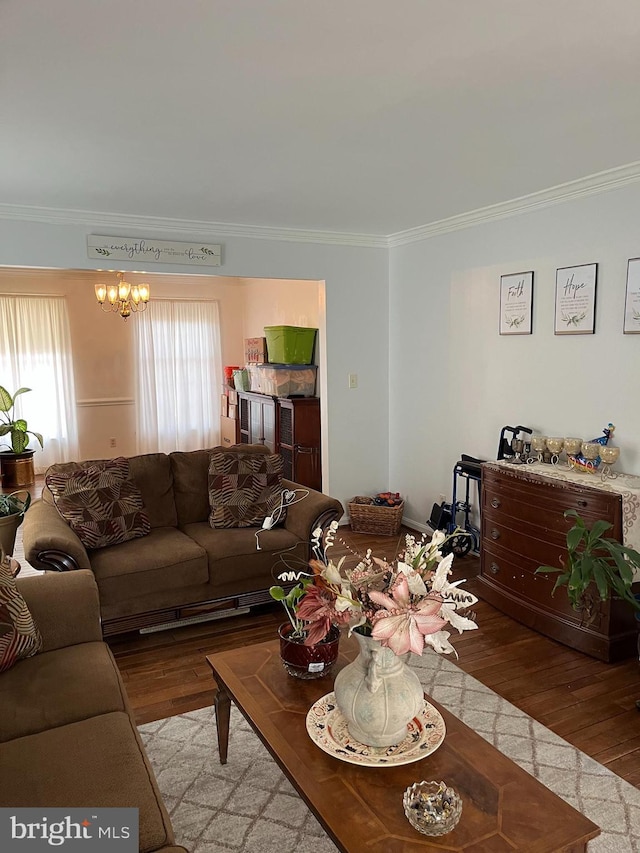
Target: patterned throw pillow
19 636
244 488
99 503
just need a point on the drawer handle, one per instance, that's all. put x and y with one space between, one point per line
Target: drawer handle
494 568
582 503
495 503
495 534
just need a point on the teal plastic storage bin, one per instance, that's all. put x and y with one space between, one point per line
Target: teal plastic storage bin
290 344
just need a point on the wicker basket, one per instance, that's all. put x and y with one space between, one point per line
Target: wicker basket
367 517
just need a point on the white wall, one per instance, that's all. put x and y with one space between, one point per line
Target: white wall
278 302
355 423
455 382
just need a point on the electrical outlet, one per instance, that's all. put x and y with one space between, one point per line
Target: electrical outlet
353 380
112 442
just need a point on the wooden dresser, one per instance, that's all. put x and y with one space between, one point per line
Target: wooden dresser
523 527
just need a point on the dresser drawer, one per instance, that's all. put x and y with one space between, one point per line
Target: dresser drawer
544 503
520 543
521 581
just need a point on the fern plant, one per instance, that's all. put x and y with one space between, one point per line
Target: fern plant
593 558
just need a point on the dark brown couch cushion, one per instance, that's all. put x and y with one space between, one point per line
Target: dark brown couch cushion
100 504
164 560
95 763
151 472
19 635
244 488
59 687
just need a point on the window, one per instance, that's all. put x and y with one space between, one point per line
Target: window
178 376
35 352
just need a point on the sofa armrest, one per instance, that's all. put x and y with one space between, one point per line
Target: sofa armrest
314 510
65 607
49 542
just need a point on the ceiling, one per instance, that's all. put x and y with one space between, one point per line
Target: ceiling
352 116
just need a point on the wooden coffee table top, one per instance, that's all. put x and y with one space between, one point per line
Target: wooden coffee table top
504 808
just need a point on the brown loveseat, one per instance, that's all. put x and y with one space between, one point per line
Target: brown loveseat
67 735
183 566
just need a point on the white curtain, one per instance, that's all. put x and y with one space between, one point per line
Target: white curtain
35 352
178 376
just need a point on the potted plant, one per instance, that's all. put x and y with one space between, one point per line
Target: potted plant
597 567
12 510
16 465
298 657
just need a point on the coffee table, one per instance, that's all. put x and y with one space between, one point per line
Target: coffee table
504 808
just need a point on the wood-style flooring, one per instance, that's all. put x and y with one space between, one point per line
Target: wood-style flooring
589 703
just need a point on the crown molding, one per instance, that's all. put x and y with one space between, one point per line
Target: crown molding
93 219
610 179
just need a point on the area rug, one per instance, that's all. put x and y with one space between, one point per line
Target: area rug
248 806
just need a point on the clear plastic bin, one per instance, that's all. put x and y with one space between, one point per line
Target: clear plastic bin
283 380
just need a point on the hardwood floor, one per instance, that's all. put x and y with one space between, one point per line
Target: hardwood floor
589 703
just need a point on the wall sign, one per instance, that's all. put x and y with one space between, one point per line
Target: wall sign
516 303
632 298
155 251
576 300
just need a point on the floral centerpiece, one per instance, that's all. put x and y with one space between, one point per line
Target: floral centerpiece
406 605
393 609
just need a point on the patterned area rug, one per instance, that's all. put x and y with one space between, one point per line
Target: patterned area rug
248 806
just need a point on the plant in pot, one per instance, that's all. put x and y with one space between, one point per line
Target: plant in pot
12 510
16 465
299 658
597 567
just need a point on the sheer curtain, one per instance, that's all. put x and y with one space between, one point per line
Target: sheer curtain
35 352
178 376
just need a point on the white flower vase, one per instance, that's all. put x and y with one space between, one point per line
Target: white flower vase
378 694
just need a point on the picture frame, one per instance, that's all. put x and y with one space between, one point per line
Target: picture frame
516 303
631 325
576 300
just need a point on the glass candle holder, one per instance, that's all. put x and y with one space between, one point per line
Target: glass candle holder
432 807
572 446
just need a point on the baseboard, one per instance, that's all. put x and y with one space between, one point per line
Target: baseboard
194 620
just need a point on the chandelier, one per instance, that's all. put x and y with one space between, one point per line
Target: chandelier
122 297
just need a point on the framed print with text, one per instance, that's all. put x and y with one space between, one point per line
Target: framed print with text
632 299
516 303
576 300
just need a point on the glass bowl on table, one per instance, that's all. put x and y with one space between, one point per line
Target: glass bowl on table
432 808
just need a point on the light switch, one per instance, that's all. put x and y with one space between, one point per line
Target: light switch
353 380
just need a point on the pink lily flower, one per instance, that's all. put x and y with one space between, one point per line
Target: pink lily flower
402 626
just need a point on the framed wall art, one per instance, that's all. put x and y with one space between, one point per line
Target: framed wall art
576 300
516 303
632 298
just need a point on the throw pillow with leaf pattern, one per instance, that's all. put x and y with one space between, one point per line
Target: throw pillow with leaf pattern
19 635
100 503
244 488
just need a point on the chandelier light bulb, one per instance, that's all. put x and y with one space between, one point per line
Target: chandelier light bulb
123 298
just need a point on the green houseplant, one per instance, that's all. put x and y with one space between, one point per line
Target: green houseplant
299 659
16 428
595 562
12 510
16 464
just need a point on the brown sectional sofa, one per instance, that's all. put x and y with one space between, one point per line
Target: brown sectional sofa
68 738
183 565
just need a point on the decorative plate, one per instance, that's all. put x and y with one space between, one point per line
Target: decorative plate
327 728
